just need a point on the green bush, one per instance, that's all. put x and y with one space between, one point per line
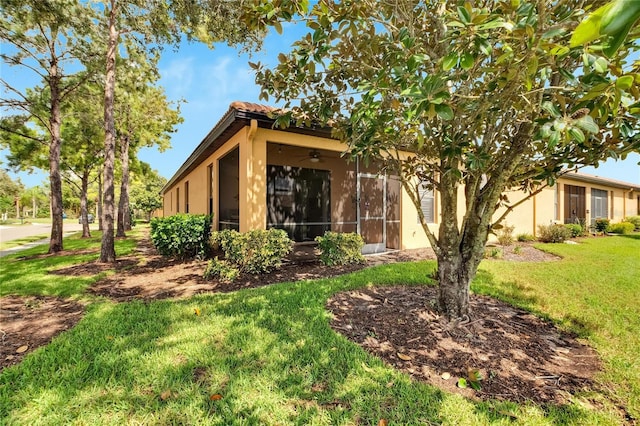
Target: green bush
554 233
185 236
575 229
255 252
338 248
523 238
221 269
602 225
493 252
505 235
621 228
635 220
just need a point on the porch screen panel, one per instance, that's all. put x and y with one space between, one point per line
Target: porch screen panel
299 201
229 191
599 208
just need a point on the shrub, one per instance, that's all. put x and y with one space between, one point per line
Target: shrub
575 229
255 252
523 238
505 235
493 252
182 235
635 220
554 233
602 225
221 269
517 249
337 248
621 228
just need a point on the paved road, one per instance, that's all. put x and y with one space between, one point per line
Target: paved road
9 233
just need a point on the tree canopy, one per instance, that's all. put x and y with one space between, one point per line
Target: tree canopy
483 96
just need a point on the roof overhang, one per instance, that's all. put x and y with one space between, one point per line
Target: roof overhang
239 115
582 177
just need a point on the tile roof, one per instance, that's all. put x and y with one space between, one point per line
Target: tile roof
251 107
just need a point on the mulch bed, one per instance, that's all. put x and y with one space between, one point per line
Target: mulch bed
27 323
519 356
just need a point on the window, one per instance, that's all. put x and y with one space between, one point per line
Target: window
186 197
177 200
598 204
210 188
427 203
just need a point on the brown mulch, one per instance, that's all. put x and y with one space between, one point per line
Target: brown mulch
519 356
26 323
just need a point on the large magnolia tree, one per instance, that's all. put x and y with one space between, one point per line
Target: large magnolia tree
484 96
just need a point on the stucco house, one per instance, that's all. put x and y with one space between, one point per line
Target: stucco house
252 176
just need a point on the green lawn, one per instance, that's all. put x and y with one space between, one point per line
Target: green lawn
22 241
271 357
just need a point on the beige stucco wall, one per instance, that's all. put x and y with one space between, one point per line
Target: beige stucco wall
258 147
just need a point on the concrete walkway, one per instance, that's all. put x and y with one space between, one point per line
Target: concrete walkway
10 233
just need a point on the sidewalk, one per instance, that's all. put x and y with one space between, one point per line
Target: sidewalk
26 246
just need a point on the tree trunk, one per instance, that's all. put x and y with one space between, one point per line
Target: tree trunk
124 219
107 251
55 180
84 213
99 201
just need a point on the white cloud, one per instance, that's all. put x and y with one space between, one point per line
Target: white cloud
177 77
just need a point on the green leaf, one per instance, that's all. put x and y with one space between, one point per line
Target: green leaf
551 108
554 139
553 33
464 15
576 134
450 61
588 30
484 46
278 26
587 124
462 383
444 111
601 65
467 61
625 82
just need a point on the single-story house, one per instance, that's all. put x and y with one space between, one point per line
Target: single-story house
252 176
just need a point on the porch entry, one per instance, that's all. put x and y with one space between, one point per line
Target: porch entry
574 204
371 192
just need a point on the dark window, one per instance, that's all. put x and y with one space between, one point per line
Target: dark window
229 191
177 200
210 188
299 201
186 197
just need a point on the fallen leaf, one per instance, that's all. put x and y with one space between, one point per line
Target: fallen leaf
165 395
215 397
404 357
382 422
197 311
9 357
22 349
109 337
462 383
390 384
446 376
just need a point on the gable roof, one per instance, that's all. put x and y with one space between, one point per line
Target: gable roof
237 117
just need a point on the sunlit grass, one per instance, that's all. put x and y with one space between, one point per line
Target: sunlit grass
22 241
27 273
272 358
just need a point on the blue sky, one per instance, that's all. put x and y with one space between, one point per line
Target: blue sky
209 80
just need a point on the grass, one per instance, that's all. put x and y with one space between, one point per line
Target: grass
268 356
22 241
31 277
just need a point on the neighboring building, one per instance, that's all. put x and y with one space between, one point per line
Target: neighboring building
251 176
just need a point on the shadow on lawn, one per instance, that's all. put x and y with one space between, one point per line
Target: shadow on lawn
268 352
